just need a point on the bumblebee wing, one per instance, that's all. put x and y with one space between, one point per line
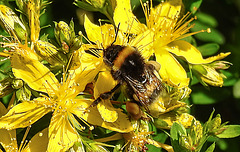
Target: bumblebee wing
138 88
150 86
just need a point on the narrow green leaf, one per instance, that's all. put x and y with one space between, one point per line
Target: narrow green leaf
213 36
208 49
207 19
195 5
231 131
201 97
236 88
211 148
176 131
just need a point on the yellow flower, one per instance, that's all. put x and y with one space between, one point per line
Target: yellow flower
136 140
9 141
58 98
168 29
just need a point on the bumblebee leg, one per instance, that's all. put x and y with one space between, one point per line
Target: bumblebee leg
105 95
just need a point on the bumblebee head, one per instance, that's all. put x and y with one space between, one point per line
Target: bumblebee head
111 53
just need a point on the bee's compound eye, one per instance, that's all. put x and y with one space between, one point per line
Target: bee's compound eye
134 110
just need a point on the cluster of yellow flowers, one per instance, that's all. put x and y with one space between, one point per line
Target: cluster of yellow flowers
82 76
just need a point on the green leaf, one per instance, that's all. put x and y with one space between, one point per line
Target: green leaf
231 80
85 6
192 6
176 132
208 49
202 98
207 19
230 131
212 95
213 36
195 5
211 148
236 88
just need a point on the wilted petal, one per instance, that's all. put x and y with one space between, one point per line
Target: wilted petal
33 73
23 115
39 142
191 54
165 121
171 70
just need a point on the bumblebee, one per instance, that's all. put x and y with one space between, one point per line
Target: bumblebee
128 67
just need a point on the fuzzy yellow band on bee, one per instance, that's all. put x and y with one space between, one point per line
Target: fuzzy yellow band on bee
125 52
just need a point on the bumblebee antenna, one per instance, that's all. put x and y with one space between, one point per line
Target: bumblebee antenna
116 33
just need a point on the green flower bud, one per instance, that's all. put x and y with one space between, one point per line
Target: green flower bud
91 5
208 74
214 124
221 65
76 44
104 6
65 36
17 83
50 53
62 32
97 3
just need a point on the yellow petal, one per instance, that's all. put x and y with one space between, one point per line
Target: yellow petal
144 42
191 54
171 70
122 124
87 69
7 139
107 111
104 34
33 72
128 22
7 136
104 83
23 115
39 142
169 9
62 135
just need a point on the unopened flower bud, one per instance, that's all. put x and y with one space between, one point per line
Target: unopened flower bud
208 75
62 32
10 21
215 124
17 83
221 65
50 53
